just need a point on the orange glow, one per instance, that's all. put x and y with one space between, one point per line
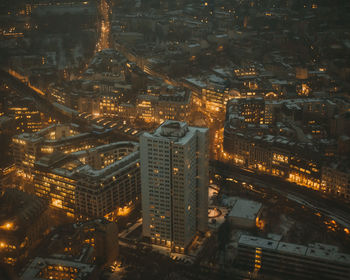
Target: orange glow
26 80
103 42
37 90
56 202
259 224
124 211
7 226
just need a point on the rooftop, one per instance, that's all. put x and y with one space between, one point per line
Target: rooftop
176 131
258 242
319 251
18 210
33 270
246 209
292 248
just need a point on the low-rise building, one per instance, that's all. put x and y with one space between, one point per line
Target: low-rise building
95 182
26 119
65 138
60 269
157 109
24 219
210 93
93 241
283 138
244 213
336 179
287 260
112 185
252 110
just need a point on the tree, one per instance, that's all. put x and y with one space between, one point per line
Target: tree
224 235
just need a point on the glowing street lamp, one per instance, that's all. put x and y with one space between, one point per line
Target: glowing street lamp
7 226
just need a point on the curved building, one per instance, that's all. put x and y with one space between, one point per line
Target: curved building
91 183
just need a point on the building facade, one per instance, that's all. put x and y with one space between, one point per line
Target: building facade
336 179
292 261
29 147
93 183
157 109
288 139
24 219
174 171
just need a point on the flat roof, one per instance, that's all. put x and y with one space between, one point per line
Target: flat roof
246 209
33 269
176 131
292 248
325 252
258 242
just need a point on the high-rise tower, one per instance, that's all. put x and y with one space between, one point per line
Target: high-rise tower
174 183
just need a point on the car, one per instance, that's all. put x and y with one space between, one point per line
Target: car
113 124
107 123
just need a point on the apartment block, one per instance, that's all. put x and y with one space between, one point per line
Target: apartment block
292 261
174 171
97 182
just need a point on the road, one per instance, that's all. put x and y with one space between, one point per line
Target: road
104 25
45 106
318 202
41 103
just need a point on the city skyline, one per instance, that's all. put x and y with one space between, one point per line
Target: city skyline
174 139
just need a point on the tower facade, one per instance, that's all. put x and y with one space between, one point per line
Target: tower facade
174 184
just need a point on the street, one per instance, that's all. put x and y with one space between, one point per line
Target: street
335 210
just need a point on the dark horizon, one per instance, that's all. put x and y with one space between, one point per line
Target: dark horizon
174 139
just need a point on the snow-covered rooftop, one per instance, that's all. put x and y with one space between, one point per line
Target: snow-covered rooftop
246 209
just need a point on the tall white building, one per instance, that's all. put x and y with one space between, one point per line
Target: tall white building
174 183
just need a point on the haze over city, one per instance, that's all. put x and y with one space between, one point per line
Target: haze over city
174 139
